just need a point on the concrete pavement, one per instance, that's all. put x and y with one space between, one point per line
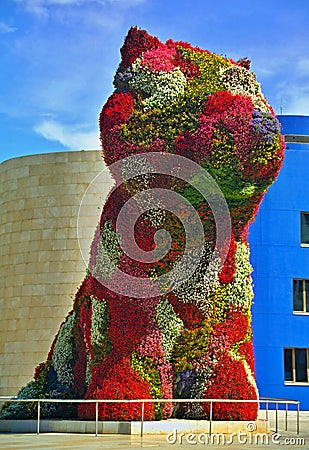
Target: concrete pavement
55 441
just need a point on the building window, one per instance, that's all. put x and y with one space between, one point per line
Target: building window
301 296
296 365
304 228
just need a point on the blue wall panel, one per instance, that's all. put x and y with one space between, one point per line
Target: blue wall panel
277 257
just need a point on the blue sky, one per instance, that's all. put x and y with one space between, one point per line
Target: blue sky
58 57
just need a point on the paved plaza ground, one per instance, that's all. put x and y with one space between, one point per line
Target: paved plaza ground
56 441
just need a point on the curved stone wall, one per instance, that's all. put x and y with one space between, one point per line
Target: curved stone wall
40 262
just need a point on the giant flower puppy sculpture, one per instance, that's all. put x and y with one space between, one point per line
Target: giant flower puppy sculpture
188 335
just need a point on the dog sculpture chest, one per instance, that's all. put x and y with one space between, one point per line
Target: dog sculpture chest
188 339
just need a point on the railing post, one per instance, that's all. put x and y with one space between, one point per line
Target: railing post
267 410
276 417
210 418
96 417
297 419
286 416
142 422
39 414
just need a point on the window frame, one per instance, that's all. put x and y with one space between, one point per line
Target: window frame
304 312
302 244
294 382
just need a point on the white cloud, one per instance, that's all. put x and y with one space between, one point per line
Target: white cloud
127 2
298 106
72 137
303 66
33 7
295 99
41 7
266 67
4 28
265 71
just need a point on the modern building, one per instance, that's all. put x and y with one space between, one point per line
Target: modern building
279 241
41 265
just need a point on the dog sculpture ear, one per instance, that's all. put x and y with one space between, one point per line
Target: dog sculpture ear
137 42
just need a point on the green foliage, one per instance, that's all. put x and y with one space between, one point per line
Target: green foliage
146 367
41 380
63 358
209 80
220 303
231 182
99 323
191 346
22 410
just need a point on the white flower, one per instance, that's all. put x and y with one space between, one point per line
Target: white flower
169 324
158 89
108 252
98 321
239 80
239 291
202 280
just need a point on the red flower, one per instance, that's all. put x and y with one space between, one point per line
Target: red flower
116 379
116 110
234 327
246 350
191 316
227 273
230 382
136 42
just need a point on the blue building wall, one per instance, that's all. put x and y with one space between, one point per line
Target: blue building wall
277 257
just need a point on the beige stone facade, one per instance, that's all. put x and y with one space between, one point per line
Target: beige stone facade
41 265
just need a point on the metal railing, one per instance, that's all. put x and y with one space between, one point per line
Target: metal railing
277 401
262 401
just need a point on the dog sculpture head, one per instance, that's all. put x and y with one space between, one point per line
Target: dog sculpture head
186 101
